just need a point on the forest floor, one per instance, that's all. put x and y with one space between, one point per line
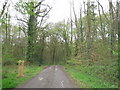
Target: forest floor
51 77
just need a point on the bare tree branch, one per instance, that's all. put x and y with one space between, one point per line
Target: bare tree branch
102 10
22 20
41 11
3 8
75 16
44 16
44 9
39 3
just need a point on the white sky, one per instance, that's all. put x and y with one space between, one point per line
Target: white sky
60 10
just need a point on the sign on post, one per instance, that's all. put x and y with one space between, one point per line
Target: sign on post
20 68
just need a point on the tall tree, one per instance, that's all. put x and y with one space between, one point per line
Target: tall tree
88 27
111 27
34 10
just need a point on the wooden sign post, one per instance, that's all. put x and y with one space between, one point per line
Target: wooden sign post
20 68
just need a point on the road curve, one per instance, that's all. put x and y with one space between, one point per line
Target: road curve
51 77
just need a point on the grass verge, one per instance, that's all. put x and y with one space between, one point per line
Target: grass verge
85 80
10 78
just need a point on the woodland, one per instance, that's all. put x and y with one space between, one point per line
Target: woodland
86 44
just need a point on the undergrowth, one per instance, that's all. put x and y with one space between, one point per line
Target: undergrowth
10 77
92 76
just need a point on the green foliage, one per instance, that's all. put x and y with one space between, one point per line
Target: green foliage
88 77
26 7
89 39
10 78
20 63
115 53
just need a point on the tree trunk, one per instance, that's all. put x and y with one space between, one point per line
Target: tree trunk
111 28
101 25
31 38
88 38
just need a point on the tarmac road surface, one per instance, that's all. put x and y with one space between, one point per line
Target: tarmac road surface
51 77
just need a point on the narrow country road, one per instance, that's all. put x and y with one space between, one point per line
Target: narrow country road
51 77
